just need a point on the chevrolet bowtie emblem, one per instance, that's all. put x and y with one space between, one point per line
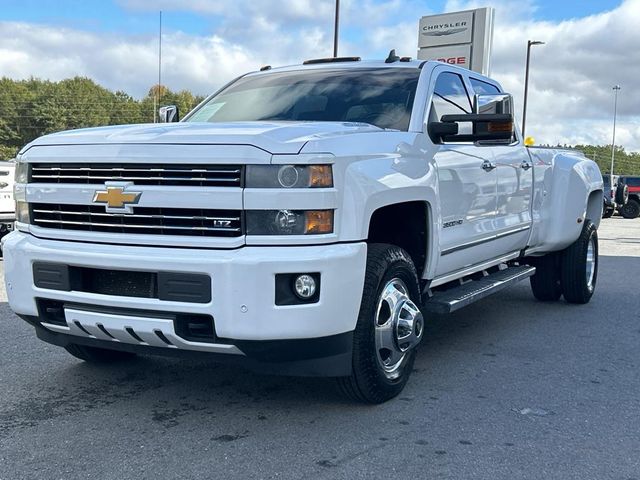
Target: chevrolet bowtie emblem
116 199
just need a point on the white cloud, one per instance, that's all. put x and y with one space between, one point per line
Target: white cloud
571 77
570 96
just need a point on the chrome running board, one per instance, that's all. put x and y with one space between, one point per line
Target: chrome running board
455 298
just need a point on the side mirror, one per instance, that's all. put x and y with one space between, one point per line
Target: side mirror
169 114
442 131
492 121
486 104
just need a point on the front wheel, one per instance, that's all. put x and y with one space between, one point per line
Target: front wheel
579 270
389 327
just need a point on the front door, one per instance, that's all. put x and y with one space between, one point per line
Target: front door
467 184
467 193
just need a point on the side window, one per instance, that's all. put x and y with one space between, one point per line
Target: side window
483 87
450 97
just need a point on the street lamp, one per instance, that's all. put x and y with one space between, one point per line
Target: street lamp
530 43
616 89
335 29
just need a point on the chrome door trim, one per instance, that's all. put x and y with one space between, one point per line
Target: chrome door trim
475 243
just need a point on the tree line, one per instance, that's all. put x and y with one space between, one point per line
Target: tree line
31 108
625 163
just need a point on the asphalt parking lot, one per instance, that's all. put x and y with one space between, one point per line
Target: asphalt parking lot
507 389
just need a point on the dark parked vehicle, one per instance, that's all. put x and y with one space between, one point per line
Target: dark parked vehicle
609 206
632 208
614 197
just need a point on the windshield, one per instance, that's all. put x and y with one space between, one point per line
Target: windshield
382 97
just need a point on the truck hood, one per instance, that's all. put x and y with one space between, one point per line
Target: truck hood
273 137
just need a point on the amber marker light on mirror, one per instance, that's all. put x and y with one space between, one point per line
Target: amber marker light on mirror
500 126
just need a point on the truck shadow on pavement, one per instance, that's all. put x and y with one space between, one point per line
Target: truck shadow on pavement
172 392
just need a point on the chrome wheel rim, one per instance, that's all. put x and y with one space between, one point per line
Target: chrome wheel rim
398 327
591 263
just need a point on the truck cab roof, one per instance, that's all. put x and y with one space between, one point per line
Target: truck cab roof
348 63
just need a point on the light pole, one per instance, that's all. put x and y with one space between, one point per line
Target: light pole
336 29
530 43
616 89
156 95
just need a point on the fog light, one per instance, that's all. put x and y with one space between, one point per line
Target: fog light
305 286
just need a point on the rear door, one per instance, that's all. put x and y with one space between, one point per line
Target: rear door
466 182
514 187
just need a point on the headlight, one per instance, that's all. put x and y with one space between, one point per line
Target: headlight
22 172
22 212
289 176
289 222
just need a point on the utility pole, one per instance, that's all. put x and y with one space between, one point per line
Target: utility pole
336 29
156 97
530 43
616 89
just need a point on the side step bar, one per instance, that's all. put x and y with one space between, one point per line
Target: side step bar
454 299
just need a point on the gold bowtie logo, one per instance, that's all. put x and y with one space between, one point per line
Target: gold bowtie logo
115 197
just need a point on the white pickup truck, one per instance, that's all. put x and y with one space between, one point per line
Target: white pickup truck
7 203
303 220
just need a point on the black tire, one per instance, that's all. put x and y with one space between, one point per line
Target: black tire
545 284
622 194
608 213
98 355
631 209
577 285
368 382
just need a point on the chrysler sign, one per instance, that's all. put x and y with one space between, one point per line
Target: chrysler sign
450 29
459 38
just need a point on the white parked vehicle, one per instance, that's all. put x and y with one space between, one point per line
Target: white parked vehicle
302 219
7 203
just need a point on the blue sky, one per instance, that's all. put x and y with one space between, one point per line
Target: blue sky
115 16
590 46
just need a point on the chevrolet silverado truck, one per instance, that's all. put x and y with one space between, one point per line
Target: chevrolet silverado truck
303 220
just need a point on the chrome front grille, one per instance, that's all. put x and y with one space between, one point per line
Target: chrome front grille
140 174
144 220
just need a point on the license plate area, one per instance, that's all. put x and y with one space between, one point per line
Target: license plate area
168 286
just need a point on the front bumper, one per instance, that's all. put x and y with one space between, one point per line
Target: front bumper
242 283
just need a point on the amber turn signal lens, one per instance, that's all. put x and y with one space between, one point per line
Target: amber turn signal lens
319 221
500 126
320 176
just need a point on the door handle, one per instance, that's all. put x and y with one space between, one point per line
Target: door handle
526 165
488 165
